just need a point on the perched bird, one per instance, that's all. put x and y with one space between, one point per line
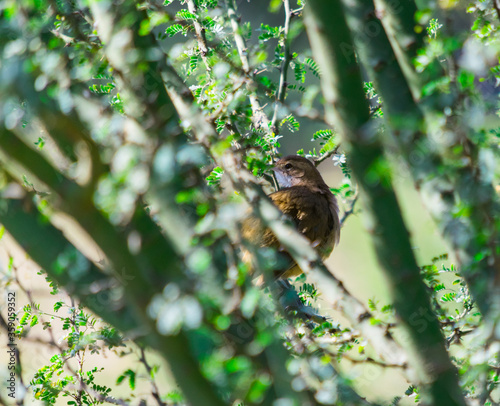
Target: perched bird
307 200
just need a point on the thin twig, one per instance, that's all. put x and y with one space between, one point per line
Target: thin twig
108 399
305 340
287 57
271 177
294 242
200 34
373 361
326 155
155 392
309 261
349 211
64 356
313 339
259 118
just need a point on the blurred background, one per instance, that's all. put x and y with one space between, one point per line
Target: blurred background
353 261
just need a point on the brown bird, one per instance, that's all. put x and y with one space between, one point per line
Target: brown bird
308 201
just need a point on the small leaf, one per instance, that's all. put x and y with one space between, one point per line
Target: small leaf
292 123
215 176
372 305
313 67
34 320
185 15
322 134
176 29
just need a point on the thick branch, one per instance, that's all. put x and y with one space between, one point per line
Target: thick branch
76 202
441 194
129 273
332 289
496 6
373 47
97 292
341 81
164 186
299 248
399 23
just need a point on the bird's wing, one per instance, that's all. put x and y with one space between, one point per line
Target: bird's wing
312 216
311 213
254 231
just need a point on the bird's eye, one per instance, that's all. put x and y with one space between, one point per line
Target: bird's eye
288 166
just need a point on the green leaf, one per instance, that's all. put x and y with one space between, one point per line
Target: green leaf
24 319
330 145
215 176
466 80
131 378
57 306
269 32
176 29
448 297
313 67
40 142
27 183
439 287
433 27
34 320
131 382
322 134
185 15
154 370
300 72
291 122
193 63
236 364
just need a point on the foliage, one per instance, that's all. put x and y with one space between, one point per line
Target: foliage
148 125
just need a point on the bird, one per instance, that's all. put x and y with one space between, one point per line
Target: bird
307 200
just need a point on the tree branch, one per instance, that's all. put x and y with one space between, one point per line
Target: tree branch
496 6
177 225
126 267
76 202
259 118
341 81
350 211
100 296
326 155
441 194
287 57
399 23
155 391
200 34
333 290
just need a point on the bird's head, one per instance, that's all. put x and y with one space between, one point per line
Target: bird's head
294 170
